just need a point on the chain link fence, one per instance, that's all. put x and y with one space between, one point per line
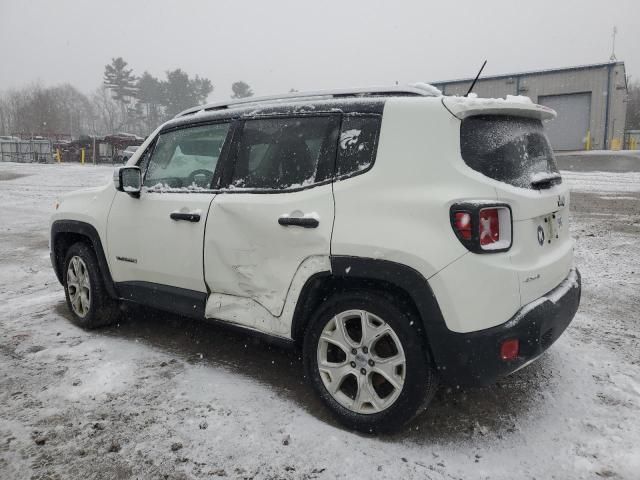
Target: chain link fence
13 149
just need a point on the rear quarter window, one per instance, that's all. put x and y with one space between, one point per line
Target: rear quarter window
509 149
357 144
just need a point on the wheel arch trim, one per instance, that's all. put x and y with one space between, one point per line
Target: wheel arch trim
61 227
401 276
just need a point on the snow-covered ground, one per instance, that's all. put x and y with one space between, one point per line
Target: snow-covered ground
603 182
163 397
601 153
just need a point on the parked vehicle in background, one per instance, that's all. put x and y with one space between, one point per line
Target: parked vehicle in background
399 237
126 154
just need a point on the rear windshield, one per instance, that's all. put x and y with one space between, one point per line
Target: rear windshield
512 150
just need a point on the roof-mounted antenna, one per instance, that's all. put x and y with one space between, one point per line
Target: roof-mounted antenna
613 58
475 79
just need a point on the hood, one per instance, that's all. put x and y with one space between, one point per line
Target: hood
85 192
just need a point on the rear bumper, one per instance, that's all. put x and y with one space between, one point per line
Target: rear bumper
474 358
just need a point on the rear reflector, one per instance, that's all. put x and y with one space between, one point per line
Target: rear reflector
509 349
489 226
494 228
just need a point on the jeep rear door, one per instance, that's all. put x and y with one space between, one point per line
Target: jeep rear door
156 240
276 211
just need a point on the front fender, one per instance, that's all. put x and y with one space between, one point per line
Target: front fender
61 231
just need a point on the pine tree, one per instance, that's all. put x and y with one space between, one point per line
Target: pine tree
241 90
121 81
150 95
181 92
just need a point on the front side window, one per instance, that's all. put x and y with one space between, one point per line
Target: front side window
185 159
285 153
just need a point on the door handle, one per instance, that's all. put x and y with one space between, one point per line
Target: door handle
304 222
189 217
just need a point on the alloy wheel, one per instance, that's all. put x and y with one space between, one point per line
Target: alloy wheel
79 286
361 361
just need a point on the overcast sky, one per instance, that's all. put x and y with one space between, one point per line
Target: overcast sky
307 45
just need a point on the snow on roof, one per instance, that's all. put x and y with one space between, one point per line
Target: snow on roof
418 89
517 105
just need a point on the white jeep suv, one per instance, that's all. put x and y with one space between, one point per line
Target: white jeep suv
399 237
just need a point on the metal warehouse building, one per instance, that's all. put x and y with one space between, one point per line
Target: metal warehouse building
590 101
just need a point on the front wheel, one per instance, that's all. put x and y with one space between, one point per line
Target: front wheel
84 289
366 360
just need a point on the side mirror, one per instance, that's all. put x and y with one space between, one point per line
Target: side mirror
128 180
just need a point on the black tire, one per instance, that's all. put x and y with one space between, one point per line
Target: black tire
102 309
420 379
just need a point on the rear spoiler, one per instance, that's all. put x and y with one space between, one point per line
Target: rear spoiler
463 107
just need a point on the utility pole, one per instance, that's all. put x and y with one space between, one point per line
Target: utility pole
613 58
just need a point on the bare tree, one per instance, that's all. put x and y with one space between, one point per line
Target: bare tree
107 116
4 116
35 110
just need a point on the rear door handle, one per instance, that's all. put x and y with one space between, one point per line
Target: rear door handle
304 222
187 216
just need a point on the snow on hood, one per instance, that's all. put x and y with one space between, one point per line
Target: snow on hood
516 105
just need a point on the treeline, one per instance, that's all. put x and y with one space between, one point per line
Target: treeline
123 103
633 107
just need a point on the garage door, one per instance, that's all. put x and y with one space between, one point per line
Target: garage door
569 130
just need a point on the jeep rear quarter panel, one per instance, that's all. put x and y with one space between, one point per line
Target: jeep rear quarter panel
399 211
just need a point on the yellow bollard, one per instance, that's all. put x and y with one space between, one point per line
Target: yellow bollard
58 156
615 144
82 156
587 144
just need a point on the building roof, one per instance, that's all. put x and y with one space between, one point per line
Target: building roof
532 72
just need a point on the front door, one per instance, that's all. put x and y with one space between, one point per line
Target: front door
157 239
276 213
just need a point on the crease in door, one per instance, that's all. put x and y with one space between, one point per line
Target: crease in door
204 245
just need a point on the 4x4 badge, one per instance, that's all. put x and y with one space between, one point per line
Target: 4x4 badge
561 200
540 235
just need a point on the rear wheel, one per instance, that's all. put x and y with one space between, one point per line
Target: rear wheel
87 298
367 361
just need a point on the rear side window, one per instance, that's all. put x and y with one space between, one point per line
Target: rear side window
285 153
358 144
512 150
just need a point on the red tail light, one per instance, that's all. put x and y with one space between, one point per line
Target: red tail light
482 228
462 224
